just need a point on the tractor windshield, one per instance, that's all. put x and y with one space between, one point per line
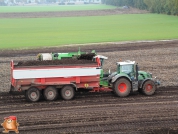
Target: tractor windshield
126 69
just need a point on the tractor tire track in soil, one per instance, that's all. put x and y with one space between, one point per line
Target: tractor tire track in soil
96 113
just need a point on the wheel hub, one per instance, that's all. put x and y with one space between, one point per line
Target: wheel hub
149 87
122 87
50 94
67 93
33 95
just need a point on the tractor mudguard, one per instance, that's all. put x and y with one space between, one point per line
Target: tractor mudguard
141 82
119 76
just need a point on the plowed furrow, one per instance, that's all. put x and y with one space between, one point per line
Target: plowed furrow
95 113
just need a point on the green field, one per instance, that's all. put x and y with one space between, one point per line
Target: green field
43 8
36 32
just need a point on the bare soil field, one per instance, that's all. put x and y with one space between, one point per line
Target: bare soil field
98 113
72 13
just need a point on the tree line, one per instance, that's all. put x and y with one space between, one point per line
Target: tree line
155 6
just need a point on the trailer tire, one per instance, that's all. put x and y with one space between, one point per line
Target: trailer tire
149 87
50 93
67 92
122 87
33 94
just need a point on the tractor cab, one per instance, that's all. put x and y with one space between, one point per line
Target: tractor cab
128 68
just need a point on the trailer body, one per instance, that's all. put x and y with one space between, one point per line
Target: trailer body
80 76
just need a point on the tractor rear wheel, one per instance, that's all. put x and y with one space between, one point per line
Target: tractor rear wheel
149 87
67 92
122 87
50 93
33 94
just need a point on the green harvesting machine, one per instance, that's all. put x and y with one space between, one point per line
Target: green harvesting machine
59 56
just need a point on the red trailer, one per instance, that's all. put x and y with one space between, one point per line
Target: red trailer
47 80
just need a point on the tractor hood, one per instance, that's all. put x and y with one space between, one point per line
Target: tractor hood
144 75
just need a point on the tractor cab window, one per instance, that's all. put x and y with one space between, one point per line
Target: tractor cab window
126 68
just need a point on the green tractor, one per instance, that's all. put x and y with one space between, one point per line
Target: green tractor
129 79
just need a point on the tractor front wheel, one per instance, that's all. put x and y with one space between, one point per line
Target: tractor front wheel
149 88
122 87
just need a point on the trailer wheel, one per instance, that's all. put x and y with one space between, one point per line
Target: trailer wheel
50 93
32 94
67 93
149 87
122 87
